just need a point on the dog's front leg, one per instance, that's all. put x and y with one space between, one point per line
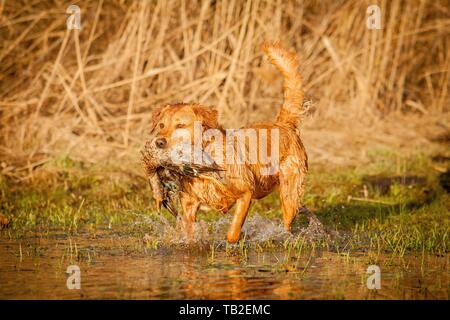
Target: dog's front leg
190 207
242 206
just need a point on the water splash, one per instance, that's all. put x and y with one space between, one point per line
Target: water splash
257 228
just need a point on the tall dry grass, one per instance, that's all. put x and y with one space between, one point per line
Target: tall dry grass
89 94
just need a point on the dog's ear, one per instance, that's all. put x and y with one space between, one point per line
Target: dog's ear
209 116
156 117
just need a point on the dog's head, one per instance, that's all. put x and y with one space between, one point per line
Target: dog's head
174 124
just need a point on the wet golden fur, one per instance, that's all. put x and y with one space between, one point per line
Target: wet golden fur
240 183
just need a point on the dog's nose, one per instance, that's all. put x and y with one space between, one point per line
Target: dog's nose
161 142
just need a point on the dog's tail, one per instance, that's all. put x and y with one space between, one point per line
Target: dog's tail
287 63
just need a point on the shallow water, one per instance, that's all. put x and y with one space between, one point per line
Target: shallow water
115 266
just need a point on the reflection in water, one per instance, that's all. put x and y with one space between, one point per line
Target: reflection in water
114 267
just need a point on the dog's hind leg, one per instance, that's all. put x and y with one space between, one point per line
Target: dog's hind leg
292 188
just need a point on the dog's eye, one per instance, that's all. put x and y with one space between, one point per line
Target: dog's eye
161 125
180 125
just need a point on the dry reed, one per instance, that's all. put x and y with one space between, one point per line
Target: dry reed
89 94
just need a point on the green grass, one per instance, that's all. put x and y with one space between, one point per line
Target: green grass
73 197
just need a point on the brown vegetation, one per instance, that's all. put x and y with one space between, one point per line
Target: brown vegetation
89 94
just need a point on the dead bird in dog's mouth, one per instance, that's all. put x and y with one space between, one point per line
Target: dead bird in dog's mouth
166 177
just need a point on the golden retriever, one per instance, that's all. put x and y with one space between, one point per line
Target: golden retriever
254 160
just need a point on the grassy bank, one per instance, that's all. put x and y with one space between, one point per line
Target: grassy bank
394 205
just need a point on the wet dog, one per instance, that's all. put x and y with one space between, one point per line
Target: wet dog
252 161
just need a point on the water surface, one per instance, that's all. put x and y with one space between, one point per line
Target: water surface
115 266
